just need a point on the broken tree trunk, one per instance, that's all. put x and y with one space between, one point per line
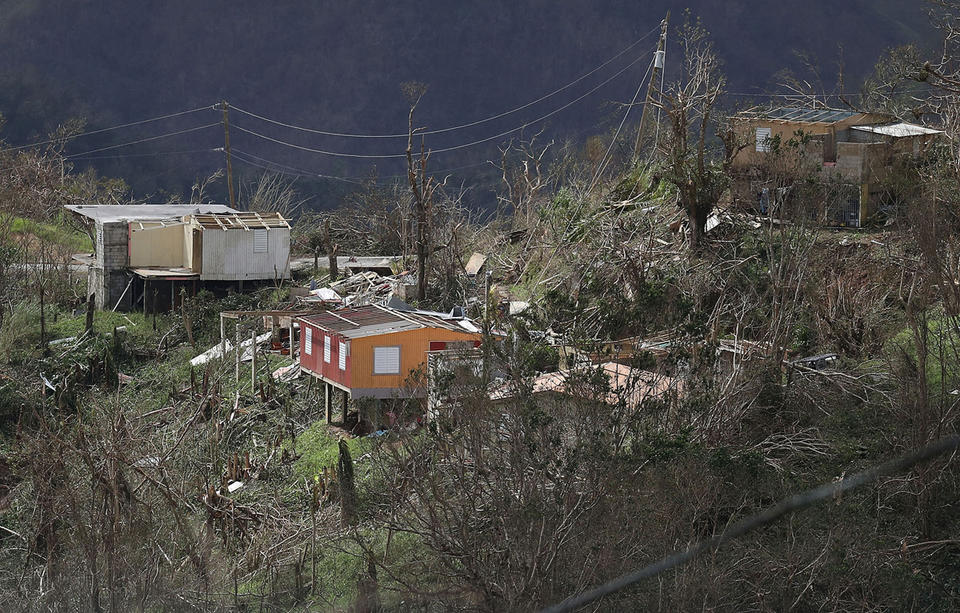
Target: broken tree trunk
88 326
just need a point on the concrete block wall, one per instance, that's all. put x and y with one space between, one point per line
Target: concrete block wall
108 277
112 245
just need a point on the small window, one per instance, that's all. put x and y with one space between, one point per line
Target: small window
308 342
260 241
764 136
343 356
326 349
386 360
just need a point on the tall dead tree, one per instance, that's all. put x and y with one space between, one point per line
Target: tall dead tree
422 188
522 172
332 249
690 104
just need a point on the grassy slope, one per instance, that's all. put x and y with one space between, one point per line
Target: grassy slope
74 240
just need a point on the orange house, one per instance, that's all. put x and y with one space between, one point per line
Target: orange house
372 351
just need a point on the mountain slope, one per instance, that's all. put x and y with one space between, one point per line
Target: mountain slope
339 66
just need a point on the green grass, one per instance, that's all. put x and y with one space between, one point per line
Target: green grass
318 449
139 328
942 359
76 241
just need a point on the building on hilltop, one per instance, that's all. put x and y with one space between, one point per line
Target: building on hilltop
146 254
856 151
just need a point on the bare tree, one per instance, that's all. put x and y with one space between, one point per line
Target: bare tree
423 188
273 192
522 170
700 175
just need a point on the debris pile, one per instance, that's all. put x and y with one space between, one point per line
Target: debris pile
360 289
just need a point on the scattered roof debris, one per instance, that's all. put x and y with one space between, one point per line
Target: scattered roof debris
626 384
475 264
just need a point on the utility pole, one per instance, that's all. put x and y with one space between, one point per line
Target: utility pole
658 62
226 149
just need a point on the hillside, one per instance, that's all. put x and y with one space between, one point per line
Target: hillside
339 66
718 370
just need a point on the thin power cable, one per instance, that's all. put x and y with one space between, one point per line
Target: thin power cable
144 155
458 127
794 503
604 161
101 130
294 171
283 169
81 155
445 149
143 140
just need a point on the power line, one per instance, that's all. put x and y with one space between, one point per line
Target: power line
272 166
143 140
101 130
82 155
606 155
142 155
461 126
446 149
283 169
794 503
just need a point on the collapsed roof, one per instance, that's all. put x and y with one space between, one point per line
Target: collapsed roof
374 320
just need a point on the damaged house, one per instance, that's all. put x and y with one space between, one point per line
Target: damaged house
375 351
854 150
146 255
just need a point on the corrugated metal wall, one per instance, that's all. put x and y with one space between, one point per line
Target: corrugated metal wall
229 255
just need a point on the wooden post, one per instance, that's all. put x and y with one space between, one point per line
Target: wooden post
658 62
346 402
253 361
293 344
223 340
88 326
226 150
146 285
236 370
328 401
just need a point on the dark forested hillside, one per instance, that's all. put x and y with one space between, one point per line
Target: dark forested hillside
338 66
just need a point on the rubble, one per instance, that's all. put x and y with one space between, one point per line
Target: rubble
360 289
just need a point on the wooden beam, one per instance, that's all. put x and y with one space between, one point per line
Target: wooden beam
291 313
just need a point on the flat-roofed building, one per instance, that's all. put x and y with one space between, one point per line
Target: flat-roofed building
142 249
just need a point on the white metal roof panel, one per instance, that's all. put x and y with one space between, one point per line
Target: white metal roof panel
108 213
898 130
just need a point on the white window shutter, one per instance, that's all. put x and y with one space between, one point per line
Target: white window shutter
326 349
763 139
260 241
386 360
308 342
343 356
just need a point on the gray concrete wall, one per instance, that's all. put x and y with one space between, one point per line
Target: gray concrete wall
108 277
